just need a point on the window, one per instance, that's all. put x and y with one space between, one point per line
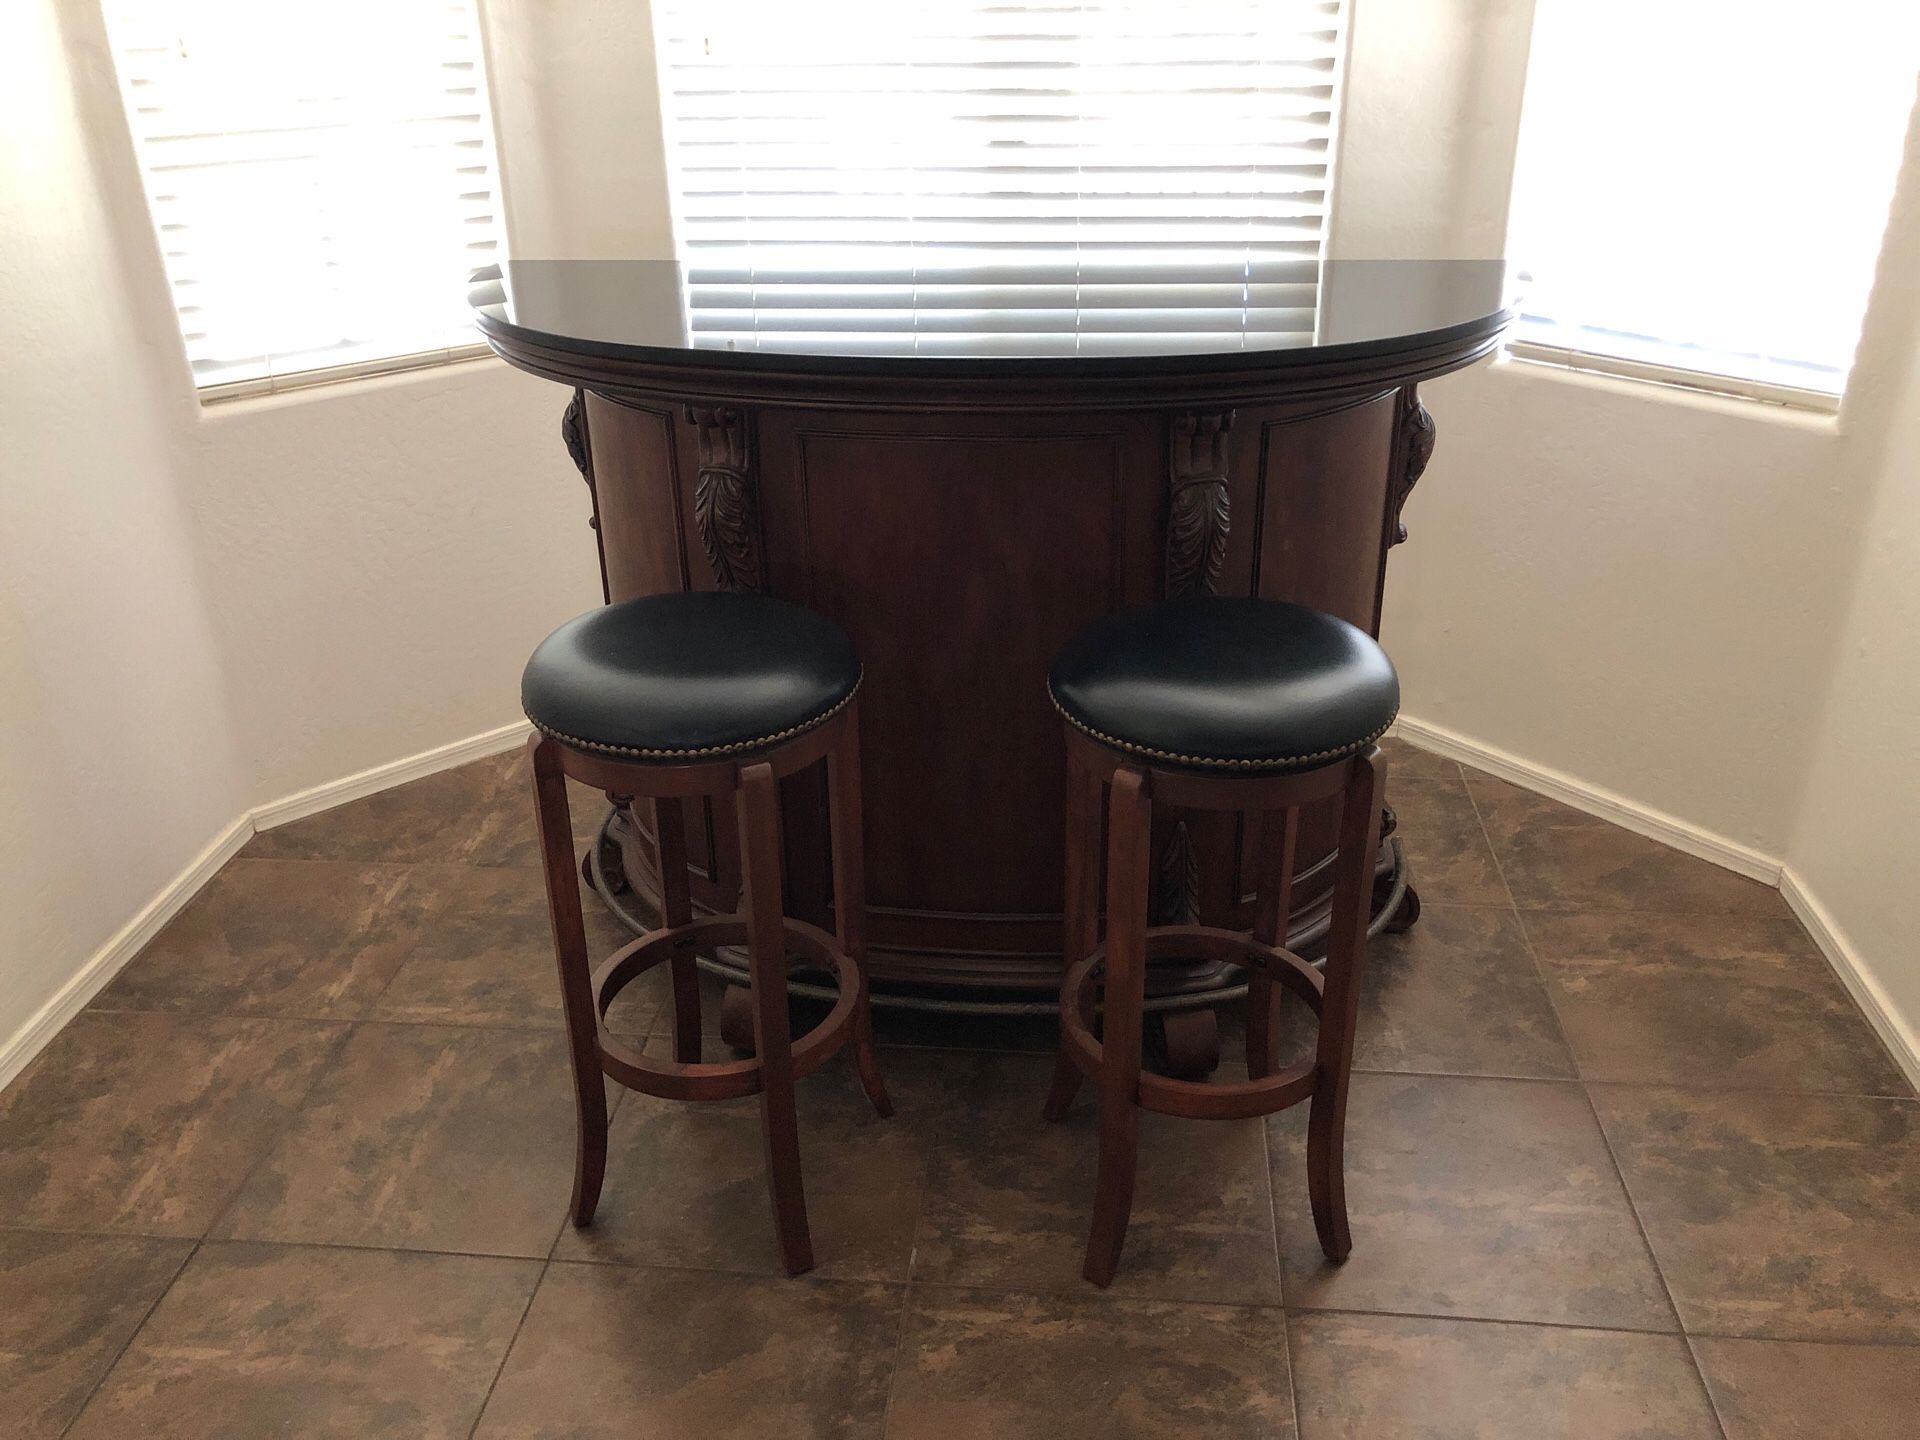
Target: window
878 173
321 178
1703 185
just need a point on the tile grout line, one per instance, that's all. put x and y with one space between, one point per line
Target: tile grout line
1713 1403
132 1335
1883 1342
1653 1257
512 1340
1279 1265
899 1340
906 1290
320 1072
1606 1141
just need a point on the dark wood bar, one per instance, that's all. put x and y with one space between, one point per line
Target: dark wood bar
961 515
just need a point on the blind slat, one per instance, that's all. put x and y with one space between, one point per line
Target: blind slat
993 178
321 201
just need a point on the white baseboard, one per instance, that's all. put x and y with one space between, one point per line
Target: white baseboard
1592 800
1896 1032
107 962
98 972
1893 1028
385 777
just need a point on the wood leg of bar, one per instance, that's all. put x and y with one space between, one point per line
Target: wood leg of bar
1339 1011
1129 822
551 814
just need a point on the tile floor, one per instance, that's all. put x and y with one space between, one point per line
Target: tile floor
1624 1160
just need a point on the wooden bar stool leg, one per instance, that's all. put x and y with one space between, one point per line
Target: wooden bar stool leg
1340 1003
846 822
1129 819
1080 920
759 813
676 908
1279 849
576 991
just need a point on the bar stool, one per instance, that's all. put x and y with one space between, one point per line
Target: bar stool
679 696
1221 704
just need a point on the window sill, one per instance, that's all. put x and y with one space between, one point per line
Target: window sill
211 395
1812 405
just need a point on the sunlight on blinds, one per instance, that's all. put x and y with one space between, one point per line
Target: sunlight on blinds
1703 184
321 177
910 177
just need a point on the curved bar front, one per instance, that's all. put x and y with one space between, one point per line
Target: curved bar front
961 520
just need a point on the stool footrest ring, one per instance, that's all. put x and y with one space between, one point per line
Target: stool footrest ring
670 1080
1216 1100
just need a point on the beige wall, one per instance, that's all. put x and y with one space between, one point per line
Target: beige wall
116 759
1432 102
1699 606
1846 853
576 102
204 609
377 557
1630 585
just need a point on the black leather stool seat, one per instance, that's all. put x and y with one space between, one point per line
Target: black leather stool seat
677 679
1224 683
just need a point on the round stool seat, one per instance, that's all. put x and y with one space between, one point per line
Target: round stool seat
677 679
1219 683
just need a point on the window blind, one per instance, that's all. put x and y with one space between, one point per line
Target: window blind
1702 188
1061 177
321 176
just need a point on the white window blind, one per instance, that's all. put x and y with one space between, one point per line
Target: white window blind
1703 185
937 175
321 176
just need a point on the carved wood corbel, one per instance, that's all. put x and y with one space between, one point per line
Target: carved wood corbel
723 499
573 433
1199 511
1176 891
1418 433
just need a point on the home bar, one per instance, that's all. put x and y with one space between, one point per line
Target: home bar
963 470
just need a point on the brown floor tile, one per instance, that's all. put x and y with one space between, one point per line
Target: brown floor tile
257 1340
506 833
1394 1378
1775 1390
425 1138
1447 852
443 817
1009 1197
1706 1000
1459 994
1488 1198
686 1183
1786 1216
272 937
145 1124
1556 858
1000 1366
608 1351
68 1304
1407 761
486 955
480 813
